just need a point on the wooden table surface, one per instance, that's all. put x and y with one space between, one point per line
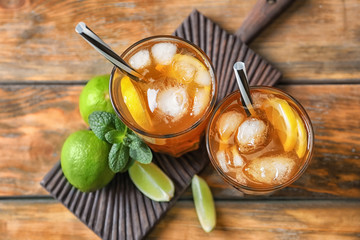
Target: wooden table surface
44 65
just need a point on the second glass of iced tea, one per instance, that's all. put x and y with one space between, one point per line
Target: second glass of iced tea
266 151
171 109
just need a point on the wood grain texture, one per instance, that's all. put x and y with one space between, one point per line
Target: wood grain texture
314 40
40 219
34 123
265 220
47 219
263 13
30 142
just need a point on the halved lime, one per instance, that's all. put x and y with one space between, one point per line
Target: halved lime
204 203
152 181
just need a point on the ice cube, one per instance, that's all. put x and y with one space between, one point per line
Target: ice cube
252 134
270 170
140 59
240 178
203 78
259 99
201 100
151 97
237 159
163 53
185 71
221 158
173 102
228 123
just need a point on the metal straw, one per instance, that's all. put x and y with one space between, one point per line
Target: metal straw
242 80
96 42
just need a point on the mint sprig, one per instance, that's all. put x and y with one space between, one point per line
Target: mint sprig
127 146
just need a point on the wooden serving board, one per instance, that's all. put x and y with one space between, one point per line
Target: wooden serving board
120 211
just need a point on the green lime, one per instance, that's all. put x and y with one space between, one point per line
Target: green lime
204 203
152 181
84 161
95 97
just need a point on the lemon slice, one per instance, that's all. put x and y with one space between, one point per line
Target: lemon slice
152 181
134 103
204 203
282 117
190 60
185 69
301 144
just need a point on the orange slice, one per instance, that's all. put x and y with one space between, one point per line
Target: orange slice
282 117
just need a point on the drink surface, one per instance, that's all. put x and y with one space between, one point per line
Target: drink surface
264 150
178 89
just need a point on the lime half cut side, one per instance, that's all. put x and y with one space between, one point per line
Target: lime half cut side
152 181
204 203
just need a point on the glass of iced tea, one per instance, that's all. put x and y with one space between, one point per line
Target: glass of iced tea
171 108
266 151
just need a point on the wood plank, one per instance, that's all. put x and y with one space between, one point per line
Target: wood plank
315 40
47 219
35 120
34 123
40 219
265 220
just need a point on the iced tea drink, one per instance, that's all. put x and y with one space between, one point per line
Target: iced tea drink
264 152
171 108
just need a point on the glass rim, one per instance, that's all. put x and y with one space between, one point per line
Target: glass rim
198 122
299 172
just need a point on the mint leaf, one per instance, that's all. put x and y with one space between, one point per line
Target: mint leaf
114 136
119 125
140 152
101 123
133 137
118 157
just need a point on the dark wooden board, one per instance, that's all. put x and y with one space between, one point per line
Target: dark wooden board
117 211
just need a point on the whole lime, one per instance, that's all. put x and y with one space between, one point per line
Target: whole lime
84 161
95 97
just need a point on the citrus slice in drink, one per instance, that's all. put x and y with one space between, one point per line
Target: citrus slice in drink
282 117
135 104
301 143
152 181
185 69
204 203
